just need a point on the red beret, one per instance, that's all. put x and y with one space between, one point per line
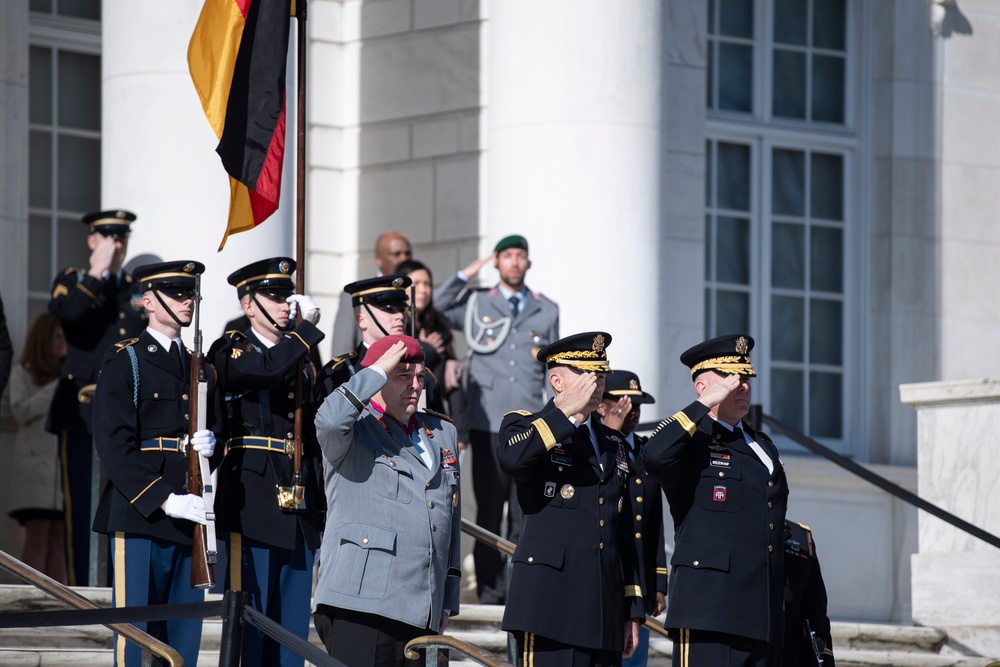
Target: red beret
412 355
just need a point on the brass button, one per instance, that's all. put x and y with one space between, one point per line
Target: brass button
291 415
600 501
638 499
601 523
121 331
156 395
289 435
638 536
431 504
364 540
770 547
770 504
638 481
121 315
291 394
428 483
770 483
187 416
722 474
638 517
531 559
184 397
771 526
393 464
601 546
695 563
433 528
69 377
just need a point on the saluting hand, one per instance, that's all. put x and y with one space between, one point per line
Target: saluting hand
472 269
102 257
390 359
718 392
575 397
615 417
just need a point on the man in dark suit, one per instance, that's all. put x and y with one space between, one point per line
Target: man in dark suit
727 492
271 544
805 602
96 306
574 597
504 326
141 409
620 410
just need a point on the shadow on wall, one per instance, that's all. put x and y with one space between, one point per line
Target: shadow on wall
947 19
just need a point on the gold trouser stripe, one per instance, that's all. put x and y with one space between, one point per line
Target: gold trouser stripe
235 561
67 506
548 439
528 658
685 422
119 579
685 646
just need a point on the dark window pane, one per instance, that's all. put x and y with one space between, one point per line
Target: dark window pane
79 174
79 90
709 245
708 174
825 405
708 315
732 313
44 6
829 24
787 333
40 269
40 170
735 77
733 254
736 18
826 332
710 69
828 89
827 259
788 182
788 256
40 80
787 391
71 242
711 17
733 177
790 22
826 197
788 99
84 9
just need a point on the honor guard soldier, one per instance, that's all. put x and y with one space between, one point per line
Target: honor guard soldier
620 410
727 492
97 306
380 310
504 327
271 541
390 570
807 627
141 421
574 595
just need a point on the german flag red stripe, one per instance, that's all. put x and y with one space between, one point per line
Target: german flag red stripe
237 60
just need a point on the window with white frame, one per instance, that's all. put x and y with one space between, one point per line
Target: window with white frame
64 120
778 160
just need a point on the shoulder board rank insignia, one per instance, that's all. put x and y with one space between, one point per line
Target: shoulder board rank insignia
60 290
440 416
523 413
122 344
336 361
235 354
236 334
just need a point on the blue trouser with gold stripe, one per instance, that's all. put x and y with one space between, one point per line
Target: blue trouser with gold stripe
278 583
76 456
151 571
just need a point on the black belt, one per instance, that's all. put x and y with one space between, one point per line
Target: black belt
262 442
163 445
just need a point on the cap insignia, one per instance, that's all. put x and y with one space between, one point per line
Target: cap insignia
120 215
397 283
598 343
189 267
283 267
742 345
633 384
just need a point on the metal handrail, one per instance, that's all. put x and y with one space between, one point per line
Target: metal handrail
434 642
40 581
506 546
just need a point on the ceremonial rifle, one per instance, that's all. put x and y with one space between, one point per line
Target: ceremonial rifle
199 478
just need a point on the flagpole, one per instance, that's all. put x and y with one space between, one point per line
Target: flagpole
298 484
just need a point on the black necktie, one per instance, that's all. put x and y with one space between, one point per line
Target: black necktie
514 303
175 354
738 435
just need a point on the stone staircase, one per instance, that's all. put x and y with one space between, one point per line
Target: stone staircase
855 644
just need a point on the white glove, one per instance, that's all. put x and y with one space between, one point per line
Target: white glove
187 506
310 310
203 442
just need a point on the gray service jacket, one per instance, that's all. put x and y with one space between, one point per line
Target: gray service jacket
393 531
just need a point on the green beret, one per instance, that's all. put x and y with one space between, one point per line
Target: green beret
513 241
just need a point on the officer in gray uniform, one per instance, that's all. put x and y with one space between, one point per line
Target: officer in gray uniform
504 327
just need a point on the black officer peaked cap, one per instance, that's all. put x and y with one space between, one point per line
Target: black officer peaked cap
582 352
729 355
271 276
625 383
110 223
380 291
168 277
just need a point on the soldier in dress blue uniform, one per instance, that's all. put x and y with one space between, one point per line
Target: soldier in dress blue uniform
97 306
727 492
620 410
271 548
390 570
805 602
504 327
575 597
141 422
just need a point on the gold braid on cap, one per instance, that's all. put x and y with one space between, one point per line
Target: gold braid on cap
585 360
735 364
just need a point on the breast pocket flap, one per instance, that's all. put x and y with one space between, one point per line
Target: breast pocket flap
701 556
369 537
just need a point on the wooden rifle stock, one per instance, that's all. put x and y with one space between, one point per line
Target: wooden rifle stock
203 550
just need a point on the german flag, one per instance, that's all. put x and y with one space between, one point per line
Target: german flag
237 60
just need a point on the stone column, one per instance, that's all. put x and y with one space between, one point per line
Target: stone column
574 146
955 575
159 160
